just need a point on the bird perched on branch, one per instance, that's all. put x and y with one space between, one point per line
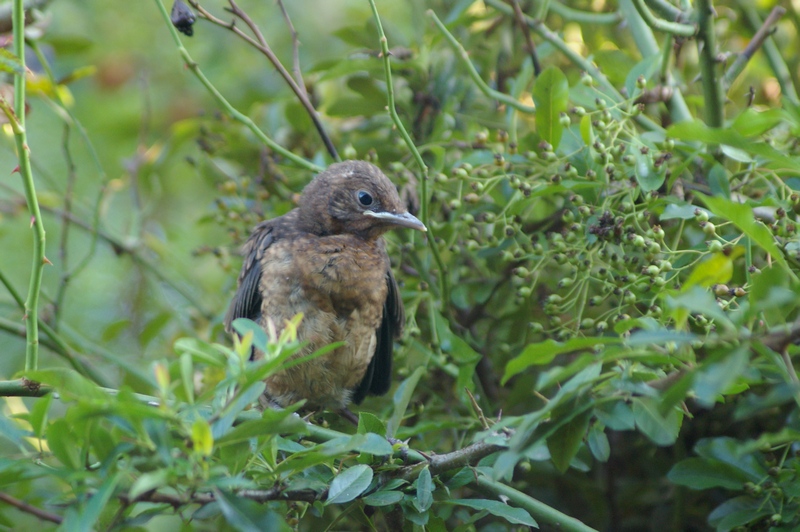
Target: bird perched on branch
327 259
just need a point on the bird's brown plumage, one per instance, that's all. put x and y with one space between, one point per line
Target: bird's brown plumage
327 259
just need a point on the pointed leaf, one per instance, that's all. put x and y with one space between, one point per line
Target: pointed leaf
349 484
551 96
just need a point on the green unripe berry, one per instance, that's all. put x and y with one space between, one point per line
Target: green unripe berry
700 215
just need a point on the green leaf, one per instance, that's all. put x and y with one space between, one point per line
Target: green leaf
719 182
375 445
646 175
661 430
587 132
515 516
10 63
565 442
402 396
68 383
242 400
38 416
271 422
245 515
698 300
62 443
349 484
202 440
752 123
715 378
201 351
598 442
187 376
698 132
739 511
617 415
702 473
90 513
742 216
244 326
544 353
154 327
383 498
424 499
454 345
148 481
551 97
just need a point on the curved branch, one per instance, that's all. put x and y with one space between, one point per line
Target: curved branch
675 28
260 44
224 103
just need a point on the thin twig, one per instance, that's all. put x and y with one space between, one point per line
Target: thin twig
774 57
119 247
29 509
260 44
753 46
478 410
298 75
77 125
224 103
519 18
63 256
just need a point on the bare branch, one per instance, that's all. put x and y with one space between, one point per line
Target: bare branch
23 506
260 43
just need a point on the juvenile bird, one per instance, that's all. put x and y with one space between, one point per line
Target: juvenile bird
327 259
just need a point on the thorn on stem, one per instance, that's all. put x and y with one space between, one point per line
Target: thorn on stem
15 170
33 220
45 260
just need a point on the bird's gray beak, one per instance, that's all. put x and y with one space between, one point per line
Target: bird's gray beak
403 219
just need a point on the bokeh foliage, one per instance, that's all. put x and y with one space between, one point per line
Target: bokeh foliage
616 282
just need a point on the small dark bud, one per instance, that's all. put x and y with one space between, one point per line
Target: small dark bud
182 18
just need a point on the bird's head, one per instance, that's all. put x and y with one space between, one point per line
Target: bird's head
353 197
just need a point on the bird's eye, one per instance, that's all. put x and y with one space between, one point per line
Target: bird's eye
364 198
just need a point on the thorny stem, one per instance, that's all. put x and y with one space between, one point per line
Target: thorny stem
17 121
707 42
232 111
425 200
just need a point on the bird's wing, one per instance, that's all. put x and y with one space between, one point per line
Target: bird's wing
247 301
378 378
